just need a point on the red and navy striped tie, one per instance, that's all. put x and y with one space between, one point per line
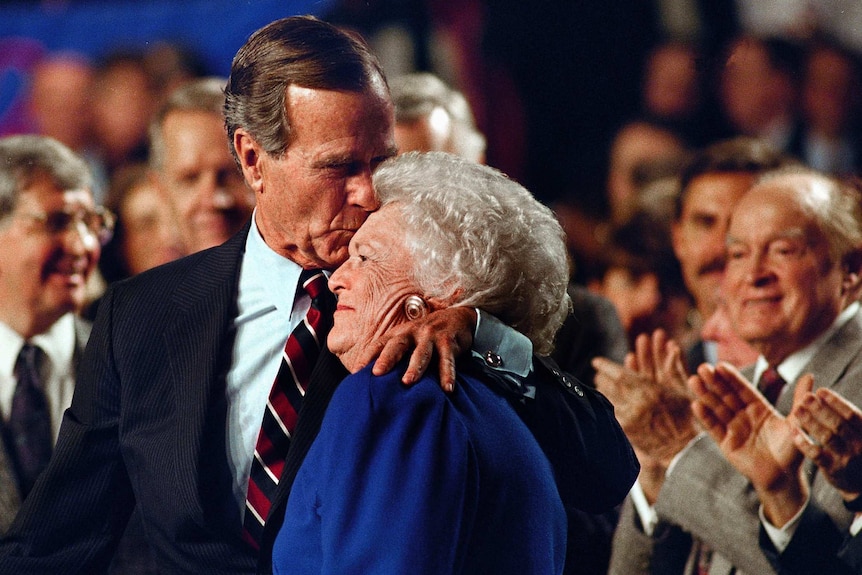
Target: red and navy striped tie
279 418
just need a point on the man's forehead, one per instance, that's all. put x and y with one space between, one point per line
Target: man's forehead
769 236
42 188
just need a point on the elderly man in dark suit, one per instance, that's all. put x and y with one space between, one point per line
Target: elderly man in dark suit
50 230
179 372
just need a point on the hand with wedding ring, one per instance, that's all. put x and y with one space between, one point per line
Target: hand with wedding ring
831 436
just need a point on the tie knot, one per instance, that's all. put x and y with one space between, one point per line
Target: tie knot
313 282
29 358
771 384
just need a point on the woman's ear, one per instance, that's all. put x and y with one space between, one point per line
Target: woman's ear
250 156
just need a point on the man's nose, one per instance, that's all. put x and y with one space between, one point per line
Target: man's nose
80 239
361 191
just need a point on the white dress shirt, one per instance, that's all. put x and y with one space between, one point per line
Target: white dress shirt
268 311
58 343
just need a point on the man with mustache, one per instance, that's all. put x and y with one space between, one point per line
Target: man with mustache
710 186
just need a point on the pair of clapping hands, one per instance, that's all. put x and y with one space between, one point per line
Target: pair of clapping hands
660 407
768 447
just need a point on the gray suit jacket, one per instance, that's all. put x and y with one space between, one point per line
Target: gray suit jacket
706 497
10 498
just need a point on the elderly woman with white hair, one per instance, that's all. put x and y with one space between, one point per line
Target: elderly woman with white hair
413 480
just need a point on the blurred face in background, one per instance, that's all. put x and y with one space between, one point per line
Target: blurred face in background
754 93
150 233
671 83
209 198
699 235
122 101
58 101
44 267
829 92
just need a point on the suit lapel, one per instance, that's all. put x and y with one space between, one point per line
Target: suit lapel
831 361
198 347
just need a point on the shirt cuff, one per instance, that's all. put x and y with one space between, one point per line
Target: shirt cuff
856 526
495 339
645 511
781 537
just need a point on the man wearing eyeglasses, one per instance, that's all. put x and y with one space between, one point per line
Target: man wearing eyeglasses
50 241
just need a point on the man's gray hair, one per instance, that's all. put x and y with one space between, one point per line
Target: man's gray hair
834 205
480 239
26 156
417 95
200 95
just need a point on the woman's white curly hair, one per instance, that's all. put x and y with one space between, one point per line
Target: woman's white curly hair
481 240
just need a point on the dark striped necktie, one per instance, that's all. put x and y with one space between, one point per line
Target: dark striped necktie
29 421
279 419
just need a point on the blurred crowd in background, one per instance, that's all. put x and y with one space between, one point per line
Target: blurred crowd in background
593 106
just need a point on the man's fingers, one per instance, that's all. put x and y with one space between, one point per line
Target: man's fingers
736 391
643 351
393 350
843 408
802 391
712 409
631 361
372 350
707 418
420 359
447 373
807 447
816 429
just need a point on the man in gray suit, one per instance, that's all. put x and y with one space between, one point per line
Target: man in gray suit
791 286
50 231
814 227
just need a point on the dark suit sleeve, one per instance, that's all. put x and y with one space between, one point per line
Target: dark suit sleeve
592 329
74 516
851 554
594 464
817 547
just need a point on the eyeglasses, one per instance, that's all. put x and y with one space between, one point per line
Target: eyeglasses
98 222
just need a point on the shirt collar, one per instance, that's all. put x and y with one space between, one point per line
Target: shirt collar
264 269
58 343
791 368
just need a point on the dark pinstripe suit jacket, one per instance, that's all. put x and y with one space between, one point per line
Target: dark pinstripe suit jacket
147 425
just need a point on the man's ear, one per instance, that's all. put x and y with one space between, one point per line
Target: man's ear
852 271
250 156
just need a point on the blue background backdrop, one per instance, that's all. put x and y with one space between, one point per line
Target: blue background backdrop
214 29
